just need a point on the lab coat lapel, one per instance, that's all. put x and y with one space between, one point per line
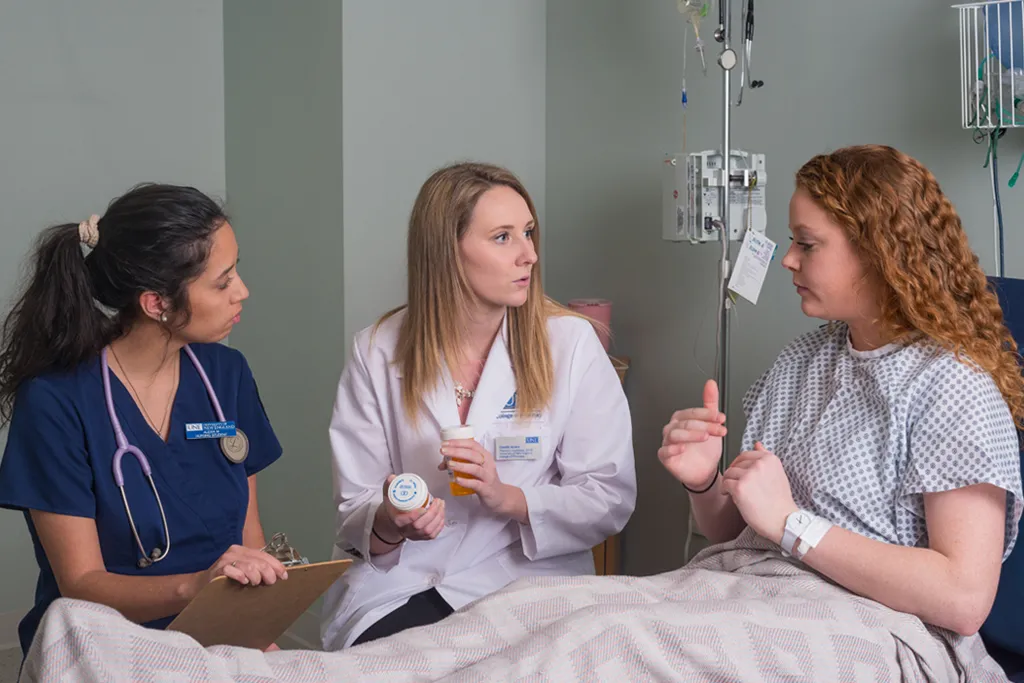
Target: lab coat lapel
495 388
440 403
497 382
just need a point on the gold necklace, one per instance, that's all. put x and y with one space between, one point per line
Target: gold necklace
461 394
150 420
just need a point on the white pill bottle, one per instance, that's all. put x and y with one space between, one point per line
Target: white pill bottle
408 492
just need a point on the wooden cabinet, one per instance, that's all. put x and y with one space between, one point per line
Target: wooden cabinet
607 555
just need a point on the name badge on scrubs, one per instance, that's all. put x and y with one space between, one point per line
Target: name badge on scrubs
511 448
209 430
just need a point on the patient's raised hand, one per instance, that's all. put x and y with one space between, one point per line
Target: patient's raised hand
691 443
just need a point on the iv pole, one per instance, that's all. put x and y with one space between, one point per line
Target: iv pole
727 60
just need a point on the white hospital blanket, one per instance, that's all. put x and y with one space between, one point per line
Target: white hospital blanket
738 612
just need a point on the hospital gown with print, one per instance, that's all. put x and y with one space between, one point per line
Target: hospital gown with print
863 435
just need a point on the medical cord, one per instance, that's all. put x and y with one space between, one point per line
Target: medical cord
984 108
1000 256
1016 174
723 264
689 536
723 275
748 21
683 100
985 105
694 15
992 164
718 337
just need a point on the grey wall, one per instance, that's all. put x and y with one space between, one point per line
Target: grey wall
283 117
97 96
612 112
425 84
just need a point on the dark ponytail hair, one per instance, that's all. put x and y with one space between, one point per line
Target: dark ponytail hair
155 238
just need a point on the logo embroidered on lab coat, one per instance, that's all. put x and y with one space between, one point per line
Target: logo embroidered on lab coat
509 411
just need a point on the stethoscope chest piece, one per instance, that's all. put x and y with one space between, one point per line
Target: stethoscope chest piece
235 448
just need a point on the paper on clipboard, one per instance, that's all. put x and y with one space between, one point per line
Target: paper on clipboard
228 613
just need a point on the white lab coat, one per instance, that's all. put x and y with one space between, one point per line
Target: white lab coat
581 490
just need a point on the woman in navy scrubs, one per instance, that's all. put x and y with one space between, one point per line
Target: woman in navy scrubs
135 299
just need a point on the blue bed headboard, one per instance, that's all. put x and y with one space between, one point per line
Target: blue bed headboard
1005 624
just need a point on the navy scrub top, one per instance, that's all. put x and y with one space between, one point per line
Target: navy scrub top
59 456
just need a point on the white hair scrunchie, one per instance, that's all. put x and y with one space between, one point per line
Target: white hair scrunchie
89 231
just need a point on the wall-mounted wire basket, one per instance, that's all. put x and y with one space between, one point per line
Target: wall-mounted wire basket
992 64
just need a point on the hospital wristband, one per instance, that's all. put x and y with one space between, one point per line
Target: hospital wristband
811 537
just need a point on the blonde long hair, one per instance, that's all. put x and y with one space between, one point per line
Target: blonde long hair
439 294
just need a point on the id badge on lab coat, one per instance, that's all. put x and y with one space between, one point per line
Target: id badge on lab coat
512 448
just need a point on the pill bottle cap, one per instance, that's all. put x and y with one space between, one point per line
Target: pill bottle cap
408 492
457 432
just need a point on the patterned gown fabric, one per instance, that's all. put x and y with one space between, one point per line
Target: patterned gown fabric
863 435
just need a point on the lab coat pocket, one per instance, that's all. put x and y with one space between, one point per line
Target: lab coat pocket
506 567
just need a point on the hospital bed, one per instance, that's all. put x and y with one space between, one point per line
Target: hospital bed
764 617
1003 632
737 612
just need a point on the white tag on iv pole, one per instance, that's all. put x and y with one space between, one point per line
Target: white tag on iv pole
751 266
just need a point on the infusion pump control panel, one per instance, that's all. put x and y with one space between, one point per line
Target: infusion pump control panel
691 191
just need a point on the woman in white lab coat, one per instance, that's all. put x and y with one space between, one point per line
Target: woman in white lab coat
478 343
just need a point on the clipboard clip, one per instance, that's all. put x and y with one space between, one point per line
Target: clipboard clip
283 551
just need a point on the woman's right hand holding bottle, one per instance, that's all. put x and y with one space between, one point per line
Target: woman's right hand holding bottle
691 445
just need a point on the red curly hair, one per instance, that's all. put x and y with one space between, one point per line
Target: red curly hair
909 234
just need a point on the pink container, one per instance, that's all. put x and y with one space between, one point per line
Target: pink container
601 311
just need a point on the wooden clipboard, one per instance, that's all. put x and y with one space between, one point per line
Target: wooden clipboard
226 612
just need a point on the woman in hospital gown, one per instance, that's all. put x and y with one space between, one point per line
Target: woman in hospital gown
880 449
478 343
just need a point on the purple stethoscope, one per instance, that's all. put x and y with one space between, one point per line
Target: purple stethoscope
235 449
